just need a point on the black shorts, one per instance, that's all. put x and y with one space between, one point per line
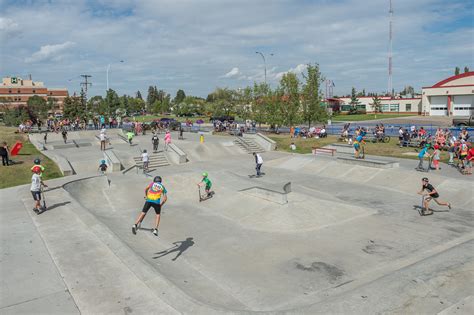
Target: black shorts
155 206
36 195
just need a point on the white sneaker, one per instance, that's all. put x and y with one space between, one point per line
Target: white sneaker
134 229
155 232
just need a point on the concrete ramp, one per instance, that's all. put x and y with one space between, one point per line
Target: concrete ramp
368 162
272 193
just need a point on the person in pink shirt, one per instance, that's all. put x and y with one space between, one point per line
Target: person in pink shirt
167 139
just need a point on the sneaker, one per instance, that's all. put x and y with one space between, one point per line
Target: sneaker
155 232
134 229
449 206
35 210
41 210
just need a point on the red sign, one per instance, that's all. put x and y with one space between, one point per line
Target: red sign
16 148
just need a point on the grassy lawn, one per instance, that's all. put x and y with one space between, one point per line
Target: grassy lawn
302 145
381 149
19 174
366 117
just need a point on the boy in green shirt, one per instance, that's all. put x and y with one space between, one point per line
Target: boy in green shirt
207 183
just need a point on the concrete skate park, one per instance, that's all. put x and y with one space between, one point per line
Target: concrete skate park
344 237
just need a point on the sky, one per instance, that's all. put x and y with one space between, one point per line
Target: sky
198 45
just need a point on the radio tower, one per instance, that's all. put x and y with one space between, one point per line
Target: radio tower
390 87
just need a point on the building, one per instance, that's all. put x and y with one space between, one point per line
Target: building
389 105
453 96
16 91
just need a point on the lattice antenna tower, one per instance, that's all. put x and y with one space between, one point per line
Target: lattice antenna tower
390 83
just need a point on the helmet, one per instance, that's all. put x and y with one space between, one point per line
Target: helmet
427 145
144 151
204 174
36 169
102 162
425 179
37 161
157 179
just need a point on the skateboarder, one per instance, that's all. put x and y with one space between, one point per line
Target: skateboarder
156 141
432 193
207 183
103 138
64 133
155 195
145 160
167 139
36 183
258 161
103 167
130 136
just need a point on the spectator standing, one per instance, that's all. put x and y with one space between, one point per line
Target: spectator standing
167 139
4 153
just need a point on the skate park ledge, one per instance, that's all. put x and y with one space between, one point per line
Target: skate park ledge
176 155
263 141
113 161
270 193
369 162
64 165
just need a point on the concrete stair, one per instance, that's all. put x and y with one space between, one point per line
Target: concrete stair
248 145
156 160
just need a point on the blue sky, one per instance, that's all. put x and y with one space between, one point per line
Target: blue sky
198 45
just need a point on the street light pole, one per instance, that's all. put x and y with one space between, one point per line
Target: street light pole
108 69
264 63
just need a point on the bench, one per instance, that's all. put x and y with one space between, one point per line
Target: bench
315 150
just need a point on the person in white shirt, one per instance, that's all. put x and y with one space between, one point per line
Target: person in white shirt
145 160
292 146
102 138
259 162
36 183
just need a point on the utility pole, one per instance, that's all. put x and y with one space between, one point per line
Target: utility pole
390 85
86 84
264 64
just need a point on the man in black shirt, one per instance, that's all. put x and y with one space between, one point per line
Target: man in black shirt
432 193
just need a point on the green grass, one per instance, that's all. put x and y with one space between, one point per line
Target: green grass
391 149
367 117
19 174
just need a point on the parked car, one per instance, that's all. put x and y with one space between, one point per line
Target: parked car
463 121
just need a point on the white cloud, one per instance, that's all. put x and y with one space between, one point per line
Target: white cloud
48 52
191 51
8 27
232 73
301 68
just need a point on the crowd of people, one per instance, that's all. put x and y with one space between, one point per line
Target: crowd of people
312 132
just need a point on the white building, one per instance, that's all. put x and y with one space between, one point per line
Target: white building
453 96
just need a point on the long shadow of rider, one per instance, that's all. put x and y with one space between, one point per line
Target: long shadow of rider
179 246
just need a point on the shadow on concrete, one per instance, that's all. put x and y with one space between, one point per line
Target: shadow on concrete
179 247
57 205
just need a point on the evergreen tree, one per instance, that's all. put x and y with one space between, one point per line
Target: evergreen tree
456 71
354 101
37 108
139 95
180 96
466 69
377 104
73 107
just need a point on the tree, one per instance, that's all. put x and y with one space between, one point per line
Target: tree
466 69
15 116
456 71
354 101
180 96
312 110
289 95
37 107
152 96
96 105
112 102
377 105
139 95
261 96
73 107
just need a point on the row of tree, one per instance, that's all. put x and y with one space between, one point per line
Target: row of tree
295 100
